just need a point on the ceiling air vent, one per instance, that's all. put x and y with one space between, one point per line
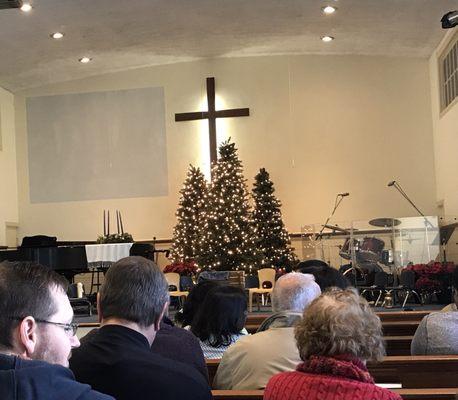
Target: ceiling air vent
10 4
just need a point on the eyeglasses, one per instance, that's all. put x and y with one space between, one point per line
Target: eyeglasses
70 329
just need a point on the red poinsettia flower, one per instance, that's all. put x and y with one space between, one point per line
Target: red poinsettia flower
182 268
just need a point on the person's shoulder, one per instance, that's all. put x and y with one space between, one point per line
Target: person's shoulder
158 371
450 307
287 375
52 381
283 378
440 317
239 347
182 333
158 368
248 342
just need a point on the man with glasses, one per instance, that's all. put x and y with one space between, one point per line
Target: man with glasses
37 335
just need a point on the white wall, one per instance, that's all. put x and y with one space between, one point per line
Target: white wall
445 128
319 124
8 170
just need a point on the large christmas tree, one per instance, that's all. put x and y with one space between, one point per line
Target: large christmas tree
271 235
227 241
186 231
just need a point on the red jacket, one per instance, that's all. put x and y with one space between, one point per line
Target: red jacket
326 378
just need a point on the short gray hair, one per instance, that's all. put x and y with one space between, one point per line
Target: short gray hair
135 289
294 292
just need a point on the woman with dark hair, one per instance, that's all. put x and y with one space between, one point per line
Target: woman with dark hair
220 320
193 302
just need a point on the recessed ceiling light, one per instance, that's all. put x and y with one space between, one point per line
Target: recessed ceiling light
328 10
57 35
327 38
85 60
26 7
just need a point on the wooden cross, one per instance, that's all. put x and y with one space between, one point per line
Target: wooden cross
211 115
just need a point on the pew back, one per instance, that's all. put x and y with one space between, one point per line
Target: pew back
407 394
411 371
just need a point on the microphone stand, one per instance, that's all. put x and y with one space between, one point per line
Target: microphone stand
426 221
337 202
404 194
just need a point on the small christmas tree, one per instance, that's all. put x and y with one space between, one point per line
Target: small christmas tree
271 235
186 231
227 241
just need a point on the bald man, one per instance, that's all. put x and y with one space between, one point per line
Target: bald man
253 360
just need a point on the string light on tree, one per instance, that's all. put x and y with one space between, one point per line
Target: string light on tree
272 238
186 233
228 241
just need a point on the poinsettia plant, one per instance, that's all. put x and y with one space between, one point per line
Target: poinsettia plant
432 277
184 268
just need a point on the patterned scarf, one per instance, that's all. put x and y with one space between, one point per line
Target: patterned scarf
344 366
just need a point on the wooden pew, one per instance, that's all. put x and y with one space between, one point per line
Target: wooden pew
411 371
237 394
212 366
403 323
385 316
428 394
395 323
390 328
398 345
417 371
399 328
407 394
395 345
388 316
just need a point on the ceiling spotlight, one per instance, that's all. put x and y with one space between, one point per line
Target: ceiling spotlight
327 38
328 10
85 60
450 20
57 35
26 7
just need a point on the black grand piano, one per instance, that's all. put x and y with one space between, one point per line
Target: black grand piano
66 260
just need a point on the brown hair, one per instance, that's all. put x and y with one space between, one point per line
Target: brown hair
340 322
135 289
25 290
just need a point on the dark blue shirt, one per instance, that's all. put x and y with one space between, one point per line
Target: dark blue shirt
37 380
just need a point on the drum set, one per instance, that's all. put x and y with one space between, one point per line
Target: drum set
367 253
364 247
366 257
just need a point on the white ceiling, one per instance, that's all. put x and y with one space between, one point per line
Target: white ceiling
127 34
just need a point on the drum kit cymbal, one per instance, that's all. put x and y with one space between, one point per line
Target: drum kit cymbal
384 222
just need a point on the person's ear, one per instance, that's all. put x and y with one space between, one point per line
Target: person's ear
157 323
99 313
27 335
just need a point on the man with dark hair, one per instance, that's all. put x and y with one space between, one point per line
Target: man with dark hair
37 335
117 358
438 331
